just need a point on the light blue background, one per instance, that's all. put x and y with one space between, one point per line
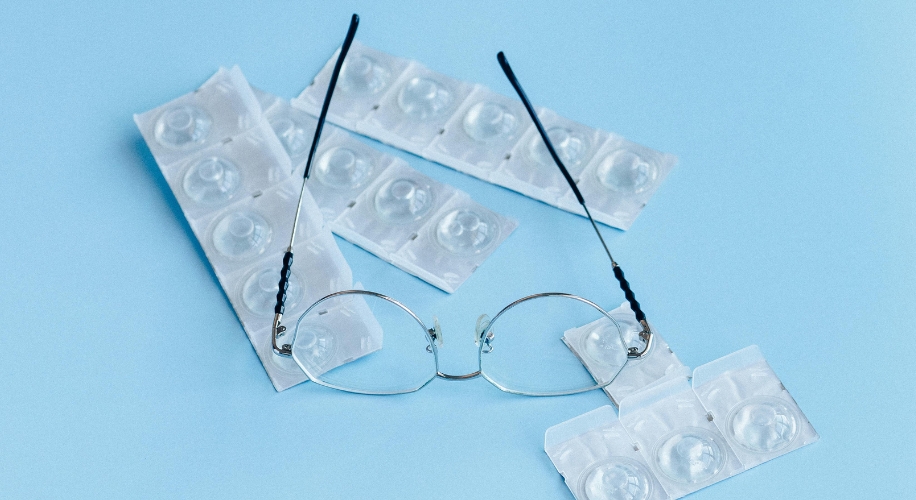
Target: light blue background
788 223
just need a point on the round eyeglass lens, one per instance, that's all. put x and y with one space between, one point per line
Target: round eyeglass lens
524 350
362 342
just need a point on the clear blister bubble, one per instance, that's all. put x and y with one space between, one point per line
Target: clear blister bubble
183 127
466 232
362 74
295 138
626 172
424 98
489 122
212 181
343 168
570 146
259 293
403 200
241 235
763 424
315 346
617 478
602 344
690 455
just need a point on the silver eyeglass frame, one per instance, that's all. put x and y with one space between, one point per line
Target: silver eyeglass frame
482 335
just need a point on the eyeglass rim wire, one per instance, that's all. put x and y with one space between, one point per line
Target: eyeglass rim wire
432 336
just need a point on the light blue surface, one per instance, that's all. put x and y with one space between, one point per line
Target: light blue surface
788 223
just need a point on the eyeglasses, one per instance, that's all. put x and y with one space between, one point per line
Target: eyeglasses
366 342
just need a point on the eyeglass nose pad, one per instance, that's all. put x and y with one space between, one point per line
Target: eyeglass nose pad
483 322
435 333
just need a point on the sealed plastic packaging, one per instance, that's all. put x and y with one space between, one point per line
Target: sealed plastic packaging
318 270
294 128
390 214
365 77
343 168
481 134
531 170
456 241
320 347
751 407
223 107
598 461
238 235
231 170
231 176
490 137
416 109
677 437
619 181
593 344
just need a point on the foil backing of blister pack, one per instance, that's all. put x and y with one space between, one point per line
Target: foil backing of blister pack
378 202
230 170
485 134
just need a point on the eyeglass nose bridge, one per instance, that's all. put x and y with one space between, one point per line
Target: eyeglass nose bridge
483 322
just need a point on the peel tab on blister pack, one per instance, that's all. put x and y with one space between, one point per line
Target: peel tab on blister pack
474 130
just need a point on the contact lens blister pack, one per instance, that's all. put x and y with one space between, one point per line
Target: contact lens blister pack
232 178
343 166
595 345
676 436
530 169
422 226
751 407
598 461
481 134
416 110
485 134
378 202
366 75
222 107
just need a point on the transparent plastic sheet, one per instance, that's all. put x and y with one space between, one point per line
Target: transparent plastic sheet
231 176
751 407
490 136
589 343
598 461
676 436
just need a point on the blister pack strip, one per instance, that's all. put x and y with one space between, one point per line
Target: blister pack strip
598 461
595 349
751 407
232 178
377 201
676 436
490 136
735 415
